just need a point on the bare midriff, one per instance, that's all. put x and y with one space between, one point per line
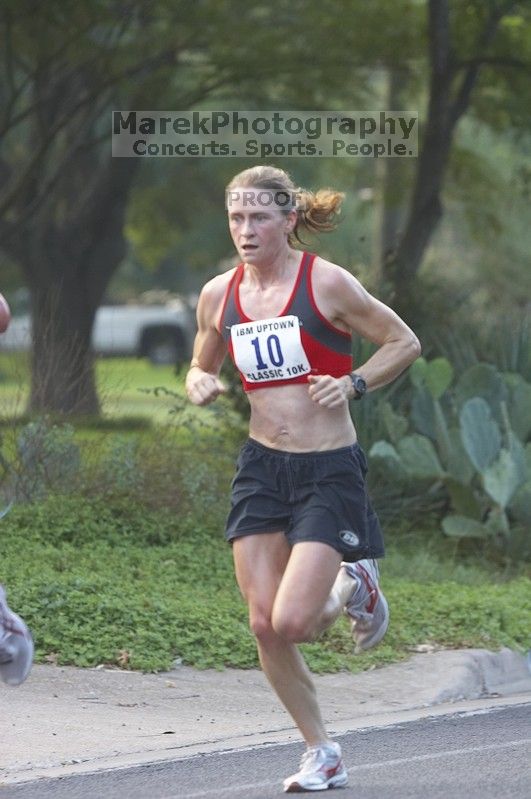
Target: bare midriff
286 418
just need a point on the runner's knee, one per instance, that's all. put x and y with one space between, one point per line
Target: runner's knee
292 626
260 623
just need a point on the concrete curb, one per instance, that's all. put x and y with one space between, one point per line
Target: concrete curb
478 672
68 720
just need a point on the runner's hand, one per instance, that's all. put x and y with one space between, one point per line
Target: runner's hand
331 392
203 387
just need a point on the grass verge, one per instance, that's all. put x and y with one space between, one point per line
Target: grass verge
113 582
129 567
126 388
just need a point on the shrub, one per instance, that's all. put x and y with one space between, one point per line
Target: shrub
469 440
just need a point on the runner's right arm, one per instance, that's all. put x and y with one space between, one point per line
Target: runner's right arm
202 381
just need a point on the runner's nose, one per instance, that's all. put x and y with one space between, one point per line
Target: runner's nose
247 228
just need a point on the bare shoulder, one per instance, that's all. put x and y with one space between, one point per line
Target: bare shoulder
213 294
335 285
216 287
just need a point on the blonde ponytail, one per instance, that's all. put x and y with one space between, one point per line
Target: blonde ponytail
317 212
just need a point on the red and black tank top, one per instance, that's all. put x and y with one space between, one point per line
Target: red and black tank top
287 348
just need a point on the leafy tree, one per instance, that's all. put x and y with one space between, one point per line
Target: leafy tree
63 197
66 64
473 66
456 59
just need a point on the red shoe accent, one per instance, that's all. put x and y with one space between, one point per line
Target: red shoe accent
331 772
371 588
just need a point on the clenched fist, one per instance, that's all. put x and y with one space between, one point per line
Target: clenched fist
203 387
331 392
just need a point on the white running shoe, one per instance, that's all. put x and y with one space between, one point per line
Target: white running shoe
16 645
367 607
321 768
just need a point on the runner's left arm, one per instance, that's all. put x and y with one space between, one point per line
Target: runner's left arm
398 346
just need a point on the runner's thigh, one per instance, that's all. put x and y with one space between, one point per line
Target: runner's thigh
259 562
306 584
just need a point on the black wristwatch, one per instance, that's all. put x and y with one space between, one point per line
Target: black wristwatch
359 385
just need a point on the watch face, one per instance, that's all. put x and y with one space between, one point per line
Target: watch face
360 386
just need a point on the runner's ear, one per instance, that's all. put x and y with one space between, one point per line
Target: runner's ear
291 220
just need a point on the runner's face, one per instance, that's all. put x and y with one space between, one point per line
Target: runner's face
259 229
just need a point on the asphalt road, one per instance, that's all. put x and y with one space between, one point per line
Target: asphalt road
480 755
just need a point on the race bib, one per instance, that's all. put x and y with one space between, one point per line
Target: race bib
269 349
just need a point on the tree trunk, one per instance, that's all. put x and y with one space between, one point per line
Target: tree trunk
449 98
62 374
391 179
424 216
425 209
68 266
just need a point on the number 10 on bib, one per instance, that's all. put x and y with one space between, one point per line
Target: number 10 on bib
269 349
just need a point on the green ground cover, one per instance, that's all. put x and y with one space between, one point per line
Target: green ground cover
111 582
124 562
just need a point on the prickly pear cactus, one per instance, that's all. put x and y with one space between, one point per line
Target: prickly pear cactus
480 433
481 380
457 526
469 440
502 478
435 375
419 457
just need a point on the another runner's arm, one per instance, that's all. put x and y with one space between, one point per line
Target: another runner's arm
202 381
5 314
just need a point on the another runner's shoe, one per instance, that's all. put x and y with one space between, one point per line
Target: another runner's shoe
16 645
321 768
367 607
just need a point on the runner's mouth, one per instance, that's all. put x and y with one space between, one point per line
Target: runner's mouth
249 247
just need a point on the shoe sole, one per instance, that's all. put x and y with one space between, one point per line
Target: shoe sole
339 781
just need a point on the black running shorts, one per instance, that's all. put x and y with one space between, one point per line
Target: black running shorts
310 496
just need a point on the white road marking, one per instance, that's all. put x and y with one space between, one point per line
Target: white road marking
401 761
233 790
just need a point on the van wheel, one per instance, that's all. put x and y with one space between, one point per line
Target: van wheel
165 348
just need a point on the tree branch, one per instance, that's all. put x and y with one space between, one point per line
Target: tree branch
9 50
495 61
54 60
79 141
161 59
47 186
439 34
462 99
